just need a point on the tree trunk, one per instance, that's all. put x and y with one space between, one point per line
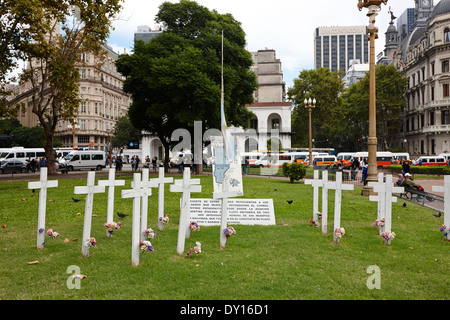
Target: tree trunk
50 154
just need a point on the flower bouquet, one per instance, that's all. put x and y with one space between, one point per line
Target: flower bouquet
314 223
197 249
150 233
91 242
164 219
194 226
229 231
388 236
444 230
51 233
146 246
379 223
112 226
338 233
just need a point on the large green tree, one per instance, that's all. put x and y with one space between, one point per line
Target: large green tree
175 78
390 90
54 60
21 23
326 87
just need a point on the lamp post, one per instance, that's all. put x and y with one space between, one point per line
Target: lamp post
310 104
74 128
110 133
374 6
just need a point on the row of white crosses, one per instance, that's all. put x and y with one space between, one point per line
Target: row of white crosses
323 183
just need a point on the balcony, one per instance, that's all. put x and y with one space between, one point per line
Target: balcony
439 128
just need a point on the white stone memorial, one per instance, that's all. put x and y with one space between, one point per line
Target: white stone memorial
145 184
111 183
338 187
186 186
160 182
387 189
316 183
446 190
42 184
380 199
137 193
89 190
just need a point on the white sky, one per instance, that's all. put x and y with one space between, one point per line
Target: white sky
287 26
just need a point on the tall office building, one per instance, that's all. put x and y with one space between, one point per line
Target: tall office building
334 47
145 33
405 23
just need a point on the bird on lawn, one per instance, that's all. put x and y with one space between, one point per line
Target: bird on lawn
75 200
404 204
437 215
122 215
289 201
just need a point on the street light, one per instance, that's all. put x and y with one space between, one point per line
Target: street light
310 104
74 128
374 6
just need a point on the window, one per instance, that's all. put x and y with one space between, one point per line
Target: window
432 68
431 118
275 123
83 139
85 157
432 93
445 66
445 117
83 107
445 90
97 157
446 35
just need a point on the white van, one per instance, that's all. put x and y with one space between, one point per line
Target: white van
432 161
344 159
86 160
21 153
446 156
273 160
182 157
252 157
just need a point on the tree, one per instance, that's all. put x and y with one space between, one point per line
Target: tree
22 22
175 78
326 87
54 59
28 137
124 132
390 89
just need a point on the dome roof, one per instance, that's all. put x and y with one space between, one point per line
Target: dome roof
441 8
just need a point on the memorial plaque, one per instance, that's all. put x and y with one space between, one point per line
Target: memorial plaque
207 212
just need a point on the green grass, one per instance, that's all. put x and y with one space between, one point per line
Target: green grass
290 260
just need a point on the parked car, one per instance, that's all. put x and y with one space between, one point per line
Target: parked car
13 166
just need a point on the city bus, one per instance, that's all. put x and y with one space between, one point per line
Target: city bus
384 158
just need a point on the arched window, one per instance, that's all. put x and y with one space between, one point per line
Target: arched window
446 35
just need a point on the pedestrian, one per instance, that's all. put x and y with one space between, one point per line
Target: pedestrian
406 168
154 160
137 162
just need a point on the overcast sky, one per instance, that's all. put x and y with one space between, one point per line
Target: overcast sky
287 26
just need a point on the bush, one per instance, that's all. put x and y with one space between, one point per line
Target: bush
294 171
441 170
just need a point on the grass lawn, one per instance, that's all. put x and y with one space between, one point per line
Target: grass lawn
290 260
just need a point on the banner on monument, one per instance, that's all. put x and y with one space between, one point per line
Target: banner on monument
207 212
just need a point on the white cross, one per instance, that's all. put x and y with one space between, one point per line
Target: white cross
186 186
379 187
90 189
145 184
338 186
446 190
388 189
111 183
43 184
160 181
325 186
316 184
136 193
